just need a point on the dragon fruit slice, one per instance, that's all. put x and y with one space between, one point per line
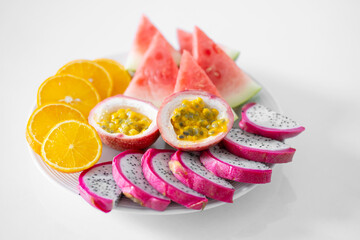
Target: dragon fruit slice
98 188
226 165
128 175
155 164
261 120
257 148
186 167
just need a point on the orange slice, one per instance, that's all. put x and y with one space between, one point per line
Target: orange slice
92 72
71 146
121 78
68 89
46 117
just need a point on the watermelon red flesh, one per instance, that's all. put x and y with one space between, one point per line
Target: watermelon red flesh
156 76
144 34
143 38
185 40
232 83
192 77
185 43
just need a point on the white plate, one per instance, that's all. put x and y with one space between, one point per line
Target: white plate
70 180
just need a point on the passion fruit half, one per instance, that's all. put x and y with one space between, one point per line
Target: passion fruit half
125 123
194 120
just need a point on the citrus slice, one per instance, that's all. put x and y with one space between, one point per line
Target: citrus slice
71 146
92 72
46 117
121 78
68 89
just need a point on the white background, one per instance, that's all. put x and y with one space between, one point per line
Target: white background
307 53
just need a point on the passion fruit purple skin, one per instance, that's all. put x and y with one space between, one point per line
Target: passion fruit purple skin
134 191
273 133
120 141
101 203
174 101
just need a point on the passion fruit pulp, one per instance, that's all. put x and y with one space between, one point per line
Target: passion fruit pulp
125 123
194 120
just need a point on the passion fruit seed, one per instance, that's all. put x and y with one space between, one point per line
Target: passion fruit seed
125 121
193 120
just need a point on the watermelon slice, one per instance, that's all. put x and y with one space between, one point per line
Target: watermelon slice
156 76
144 35
232 83
192 77
185 42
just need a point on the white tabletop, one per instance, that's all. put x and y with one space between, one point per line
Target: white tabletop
307 53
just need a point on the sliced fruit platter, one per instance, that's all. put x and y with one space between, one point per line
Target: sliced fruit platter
162 134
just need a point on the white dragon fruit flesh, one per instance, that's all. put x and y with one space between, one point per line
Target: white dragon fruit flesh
129 177
98 188
186 167
257 148
229 166
156 170
258 119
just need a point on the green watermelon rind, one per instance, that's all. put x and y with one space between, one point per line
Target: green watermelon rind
132 62
236 117
251 89
231 52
